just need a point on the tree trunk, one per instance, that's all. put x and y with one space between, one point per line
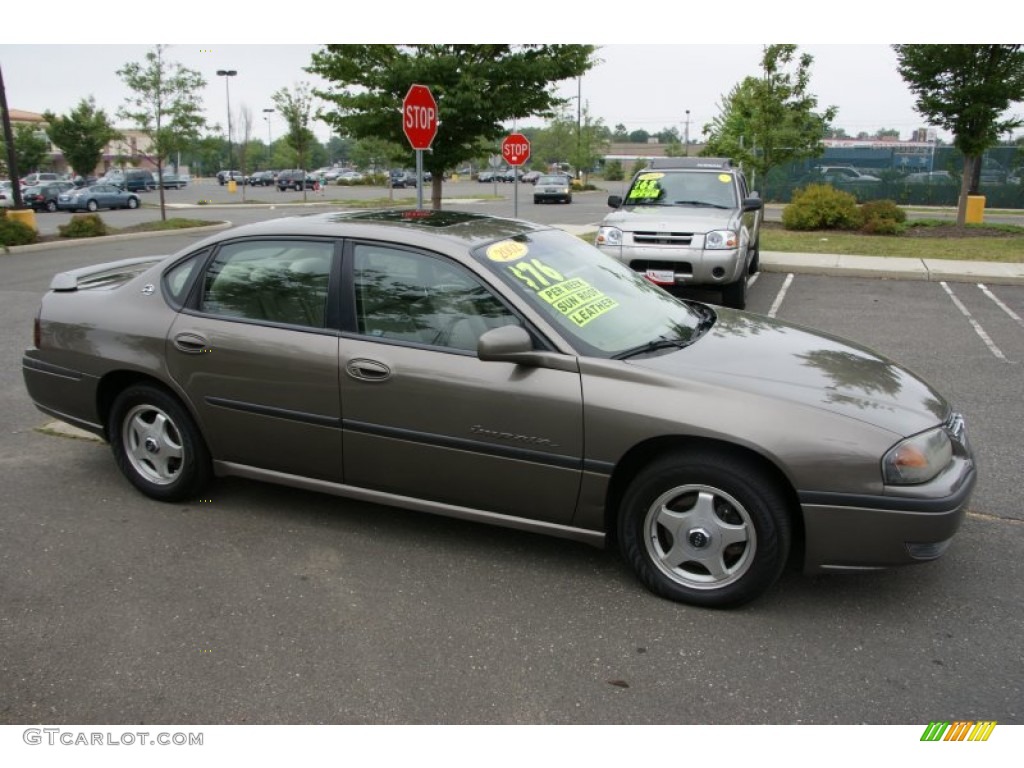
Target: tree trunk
435 191
965 189
160 185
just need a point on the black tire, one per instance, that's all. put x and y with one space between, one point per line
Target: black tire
132 203
734 518
92 206
735 294
51 206
755 259
157 445
298 187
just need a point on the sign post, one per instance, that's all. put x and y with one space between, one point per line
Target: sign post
515 148
419 122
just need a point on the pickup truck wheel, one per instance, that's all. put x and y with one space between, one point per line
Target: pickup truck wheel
735 294
755 259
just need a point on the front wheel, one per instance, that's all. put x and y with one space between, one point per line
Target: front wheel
157 445
133 203
92 206
51 206
705 528
735 294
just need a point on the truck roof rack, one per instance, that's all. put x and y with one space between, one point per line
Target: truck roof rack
711 163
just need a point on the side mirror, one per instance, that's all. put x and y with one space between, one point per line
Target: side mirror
512 344
614 201
753 203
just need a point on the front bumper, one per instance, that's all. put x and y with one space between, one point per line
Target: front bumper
854 532
670 266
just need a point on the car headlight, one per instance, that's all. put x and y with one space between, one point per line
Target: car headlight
721 239
918 459
608 236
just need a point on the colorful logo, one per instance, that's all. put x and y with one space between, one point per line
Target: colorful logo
959 730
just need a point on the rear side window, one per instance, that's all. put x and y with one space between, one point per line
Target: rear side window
177 280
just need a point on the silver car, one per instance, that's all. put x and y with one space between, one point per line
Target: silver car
508 373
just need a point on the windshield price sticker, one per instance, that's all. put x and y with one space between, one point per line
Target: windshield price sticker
507 250
576 299
725 178
646 187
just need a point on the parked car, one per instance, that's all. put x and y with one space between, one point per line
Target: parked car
687 221
97 196
261 179
84 181
930 177
842 174
43 197
34 179
485 176
400 179
530 177
295 179
132 180
223 177
554 188
516 376
6 195
175 181
350 177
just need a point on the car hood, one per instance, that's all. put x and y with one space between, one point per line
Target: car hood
768 357
669 218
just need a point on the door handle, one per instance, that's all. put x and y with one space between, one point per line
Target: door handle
190 343
367 370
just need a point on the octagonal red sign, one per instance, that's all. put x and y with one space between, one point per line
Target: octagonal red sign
419 116
515 148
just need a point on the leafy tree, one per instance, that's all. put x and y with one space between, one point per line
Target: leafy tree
82 135
31 148
639 136
619 133
591 142
296 107
479 90
613 171
165 105
378 155
967 90
887 133
767 121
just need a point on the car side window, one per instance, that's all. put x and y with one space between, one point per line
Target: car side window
176 279
413 297
277 281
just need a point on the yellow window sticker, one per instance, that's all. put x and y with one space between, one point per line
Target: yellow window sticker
650 176
725 178
507 250
646 187
592 311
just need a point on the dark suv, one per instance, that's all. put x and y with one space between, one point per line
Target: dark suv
43 197
688 221
294 179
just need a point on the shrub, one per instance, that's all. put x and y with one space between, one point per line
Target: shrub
14 232
83 225
821 206
882 217
613 171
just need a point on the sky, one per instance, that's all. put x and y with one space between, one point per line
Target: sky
646 78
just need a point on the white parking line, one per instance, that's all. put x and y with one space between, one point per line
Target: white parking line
1000 304
780 296
977 326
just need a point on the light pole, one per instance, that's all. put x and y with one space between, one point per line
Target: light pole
227 74
686 137
266 116
579 125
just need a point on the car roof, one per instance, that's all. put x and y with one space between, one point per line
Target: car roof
430 229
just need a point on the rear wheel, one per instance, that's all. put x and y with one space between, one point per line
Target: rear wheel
51 205
92 206
705 528
157 445
133 203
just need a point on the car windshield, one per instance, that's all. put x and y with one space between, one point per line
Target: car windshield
702 189
603 308
553 180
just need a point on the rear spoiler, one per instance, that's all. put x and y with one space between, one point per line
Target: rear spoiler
98 274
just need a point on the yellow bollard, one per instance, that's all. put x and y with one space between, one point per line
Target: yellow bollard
26 216
232 186
975 209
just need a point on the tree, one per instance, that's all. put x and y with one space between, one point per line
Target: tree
165 105
591 142
887 133
767 121
967 90
31 148
639 136
296 107
82 135
479 90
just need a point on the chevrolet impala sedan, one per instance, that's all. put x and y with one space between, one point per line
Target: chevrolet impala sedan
508 373
97 196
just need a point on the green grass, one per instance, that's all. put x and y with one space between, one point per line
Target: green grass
978 242
161 226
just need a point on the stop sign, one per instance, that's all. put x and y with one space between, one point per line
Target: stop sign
419 116
515 148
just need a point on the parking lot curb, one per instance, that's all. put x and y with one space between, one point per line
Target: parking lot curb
897 268
106 238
